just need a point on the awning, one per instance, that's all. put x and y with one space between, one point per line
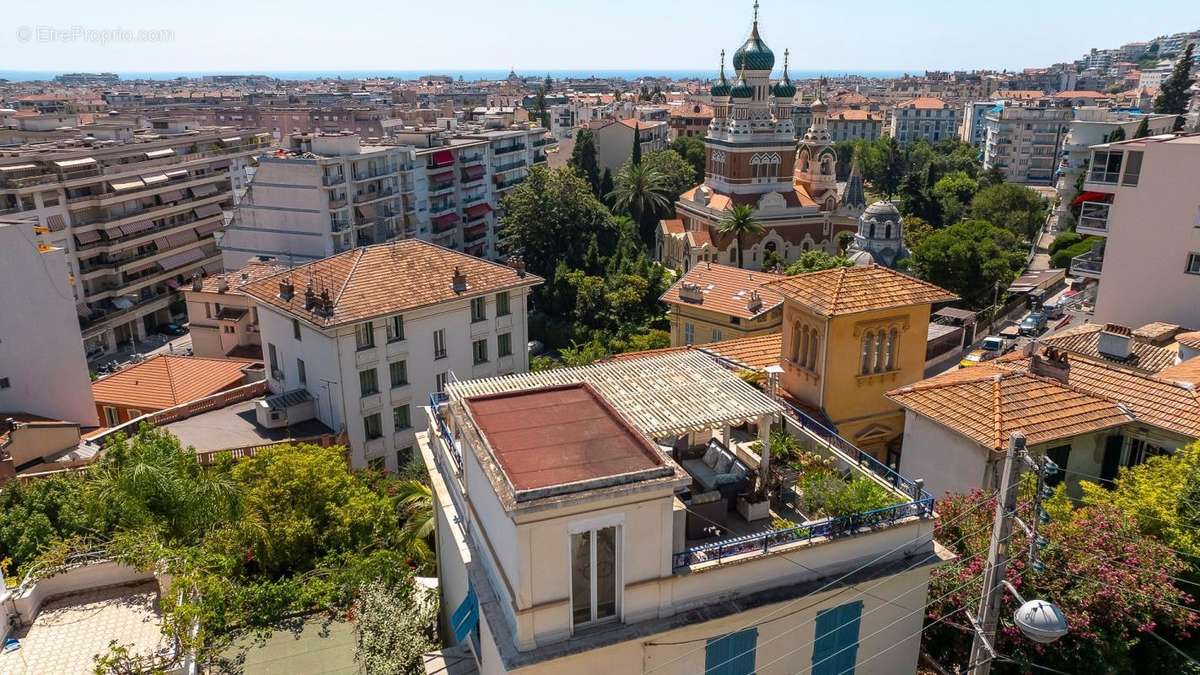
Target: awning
156 179
443 174
180 259
474 172
1091 197
75 163
141 268
206 210
443 158
172 284
55 222
366 211
139 226
177 173
477 210
122 303
178 239
231 140
206 190
18 167
207 228
158 154
445 219
127 184
87 237
171 196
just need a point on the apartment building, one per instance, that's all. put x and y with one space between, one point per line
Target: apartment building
135 212
39 332
321 195
690 119
614 140
370 332
222 320
854 125
1024 142
1140 202
1090 126
581 527
712 303
924 118
974 128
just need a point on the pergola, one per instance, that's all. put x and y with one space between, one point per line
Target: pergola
661 395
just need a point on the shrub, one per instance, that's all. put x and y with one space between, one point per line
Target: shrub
1064 240
1062 259
826 494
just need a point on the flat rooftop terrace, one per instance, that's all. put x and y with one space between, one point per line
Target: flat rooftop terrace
235 426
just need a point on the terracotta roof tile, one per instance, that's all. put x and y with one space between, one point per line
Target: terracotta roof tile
373 281
672 225
1156 331
924 103
1189 340
755 352
1187 372
1085 341
167 380
849 290
253 271
726 290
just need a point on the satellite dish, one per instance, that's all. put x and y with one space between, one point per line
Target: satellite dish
1040 621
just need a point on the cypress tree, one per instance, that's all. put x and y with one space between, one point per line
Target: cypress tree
1143 129
606 183
1173 96
637 144
583 158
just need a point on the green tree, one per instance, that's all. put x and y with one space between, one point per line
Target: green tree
583 159
844 239
1016 208
636 156
993 176
644 194
539 107
691 149
892 167
740 222
953 192
393 627
553 216
915 231
1174 94
606 182
815 261
416 506
1143 128
679 175
969 258
1115 135
36 513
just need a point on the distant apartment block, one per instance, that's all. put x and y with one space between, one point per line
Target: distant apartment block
924 118
135 212
1024 142
855 125
614 140
1140 200
974 124
222 320
1091 126
42 368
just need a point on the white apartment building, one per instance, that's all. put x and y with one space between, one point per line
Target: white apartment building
924 118
222 320
322 195
579 531
1141 197
974 129
1091 126
614 140
1024 142
371 332
135 213
42 367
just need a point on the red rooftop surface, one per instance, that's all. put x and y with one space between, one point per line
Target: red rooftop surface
560 435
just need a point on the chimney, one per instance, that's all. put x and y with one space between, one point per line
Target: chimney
286 289
222 284
459 281
1050 362
326 303
518 264
690 292
310 296
754 303
1114 342
197 282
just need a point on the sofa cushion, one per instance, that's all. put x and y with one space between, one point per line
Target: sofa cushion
738 469
711 456
723 464
726 479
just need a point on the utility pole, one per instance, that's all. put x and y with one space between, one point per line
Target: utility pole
982 651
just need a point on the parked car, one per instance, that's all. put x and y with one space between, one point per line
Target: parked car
976 357
172 329
1033 325
996 345
1053 309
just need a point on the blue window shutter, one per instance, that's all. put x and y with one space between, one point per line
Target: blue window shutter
835 651
732 654
466 617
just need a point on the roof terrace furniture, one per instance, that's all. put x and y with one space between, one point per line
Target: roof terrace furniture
719 470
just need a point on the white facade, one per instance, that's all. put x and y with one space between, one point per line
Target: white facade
1090 126
973 129
1024 142
928 119
333 361
42 366
1149 264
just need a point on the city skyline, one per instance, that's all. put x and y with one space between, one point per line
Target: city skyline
620 36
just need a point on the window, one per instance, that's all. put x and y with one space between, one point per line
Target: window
395 328
398 370
880 346
593 575
1133 168
373 426
4 383
375 464
110 416
296 329
132 414
689 333
368 382
813 343
478 310
301 373
404 457
716 335
1193 263
364 335
1060 456
502 308
479 351
732 654
504 344
868 353
401 417
440 382
892 337
207 310
439 343
835 649
273 357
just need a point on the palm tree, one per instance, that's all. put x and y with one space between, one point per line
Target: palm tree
643 193
416 506
740 221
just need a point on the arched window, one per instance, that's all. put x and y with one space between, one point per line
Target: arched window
796 342
872 234
868 352
804 347
887 231
813 346
880 355
893 337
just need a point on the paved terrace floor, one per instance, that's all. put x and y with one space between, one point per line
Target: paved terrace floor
72 630
235 426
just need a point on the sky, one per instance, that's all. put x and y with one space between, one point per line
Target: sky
532 36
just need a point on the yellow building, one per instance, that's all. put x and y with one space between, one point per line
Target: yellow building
852 334
712 303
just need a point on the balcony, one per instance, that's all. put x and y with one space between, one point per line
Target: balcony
1093 218
502 185
337 203
439 189
370 174
467 160
507 149
509 166
329 181
1089 265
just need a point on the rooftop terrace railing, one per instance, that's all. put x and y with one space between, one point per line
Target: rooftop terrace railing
437 400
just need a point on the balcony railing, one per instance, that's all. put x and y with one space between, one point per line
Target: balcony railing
1094 216
500 168
507 149
1089 264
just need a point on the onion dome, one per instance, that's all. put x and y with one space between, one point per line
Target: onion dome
741 88
754 53
721 88
784 88
818 105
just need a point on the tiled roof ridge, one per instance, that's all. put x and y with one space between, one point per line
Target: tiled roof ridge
170 379
997 414
350 275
